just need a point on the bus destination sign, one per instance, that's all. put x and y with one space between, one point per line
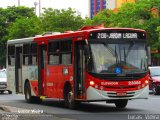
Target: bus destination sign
117 35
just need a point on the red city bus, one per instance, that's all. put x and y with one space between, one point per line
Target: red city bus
88 65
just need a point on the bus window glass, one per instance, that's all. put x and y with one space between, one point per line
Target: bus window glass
53 53
12 60
11 55
129 57
66 59
33 53
53 59
26 55
66 48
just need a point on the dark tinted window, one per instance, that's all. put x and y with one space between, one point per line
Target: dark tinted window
11 55
33 59
53 53
66 52
59 52
30 54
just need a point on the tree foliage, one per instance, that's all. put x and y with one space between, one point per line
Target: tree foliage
61 20
9 15
134 15
24 27
139 15
103 17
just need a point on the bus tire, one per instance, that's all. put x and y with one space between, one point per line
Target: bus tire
121 103
69 97
27 92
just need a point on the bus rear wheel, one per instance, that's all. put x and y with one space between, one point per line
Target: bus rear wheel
121 103
27 92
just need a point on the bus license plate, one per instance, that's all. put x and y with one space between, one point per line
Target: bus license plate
121 93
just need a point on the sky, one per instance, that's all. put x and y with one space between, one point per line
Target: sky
82 6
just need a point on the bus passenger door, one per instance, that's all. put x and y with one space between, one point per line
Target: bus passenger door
42 58
79 67
18 69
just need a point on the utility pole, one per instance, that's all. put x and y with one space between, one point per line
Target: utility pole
39 8
35 4
18 2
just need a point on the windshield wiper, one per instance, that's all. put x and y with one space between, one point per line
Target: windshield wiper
129 49
116 55
124 55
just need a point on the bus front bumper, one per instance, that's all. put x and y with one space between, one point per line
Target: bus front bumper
95 94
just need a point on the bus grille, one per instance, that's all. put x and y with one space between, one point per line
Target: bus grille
114 95
118 87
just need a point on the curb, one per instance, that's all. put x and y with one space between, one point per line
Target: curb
10 109
5 108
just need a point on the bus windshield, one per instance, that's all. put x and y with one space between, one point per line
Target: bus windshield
129 57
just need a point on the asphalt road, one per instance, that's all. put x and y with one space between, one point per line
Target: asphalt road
136 109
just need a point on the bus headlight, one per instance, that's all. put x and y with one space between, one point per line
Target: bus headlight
146 81
91 83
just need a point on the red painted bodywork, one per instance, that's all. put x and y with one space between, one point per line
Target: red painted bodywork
54 80
116 87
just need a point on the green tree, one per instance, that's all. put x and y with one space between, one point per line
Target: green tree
9 15
7 18
139 15
134 15
24 27
61 20
103 17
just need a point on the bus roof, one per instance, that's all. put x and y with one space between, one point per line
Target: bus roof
79 33
22 40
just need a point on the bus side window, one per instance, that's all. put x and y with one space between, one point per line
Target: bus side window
33 54
26 51
66 52
53 53
11 55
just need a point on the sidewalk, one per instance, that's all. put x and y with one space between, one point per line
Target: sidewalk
13 113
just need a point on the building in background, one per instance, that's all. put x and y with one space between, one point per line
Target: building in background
98 5
119 3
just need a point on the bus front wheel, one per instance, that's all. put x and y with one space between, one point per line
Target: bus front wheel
121 103
69 98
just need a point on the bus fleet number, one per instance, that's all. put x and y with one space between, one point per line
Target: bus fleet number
134 82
